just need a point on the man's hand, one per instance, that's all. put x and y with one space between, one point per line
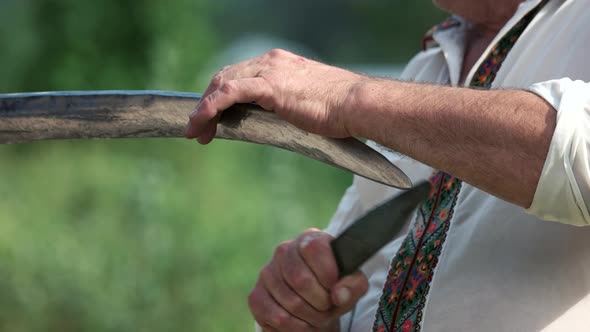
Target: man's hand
299 289
311 95
494 140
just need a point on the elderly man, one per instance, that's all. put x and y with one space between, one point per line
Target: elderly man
501 103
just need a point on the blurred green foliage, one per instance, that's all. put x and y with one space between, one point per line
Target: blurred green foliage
156 234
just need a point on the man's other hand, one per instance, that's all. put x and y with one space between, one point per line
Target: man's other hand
312 96
299 289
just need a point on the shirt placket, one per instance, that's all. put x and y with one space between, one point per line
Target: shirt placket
411 271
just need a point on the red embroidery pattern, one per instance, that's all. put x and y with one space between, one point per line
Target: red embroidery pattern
412 269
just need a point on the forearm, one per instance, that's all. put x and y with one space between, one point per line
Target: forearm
495 140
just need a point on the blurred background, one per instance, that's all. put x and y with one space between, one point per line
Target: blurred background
164 234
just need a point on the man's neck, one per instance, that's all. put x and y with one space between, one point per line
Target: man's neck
486 18
475 45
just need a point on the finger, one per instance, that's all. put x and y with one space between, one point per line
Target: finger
314 247
265 328
216 82
348 291
267 312
209 132
294 304
301 279
206 129
230 93
244 69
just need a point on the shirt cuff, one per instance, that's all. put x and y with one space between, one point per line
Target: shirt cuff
563 192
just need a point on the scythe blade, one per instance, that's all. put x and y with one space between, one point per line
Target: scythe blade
27 117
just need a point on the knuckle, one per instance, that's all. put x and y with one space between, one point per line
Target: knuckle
210 98
295 305
227 87
193 116
276 52
281 320
207 104
282 249
312 230
314 243
217 80
319 246
324 304
265 273
301 280
208 101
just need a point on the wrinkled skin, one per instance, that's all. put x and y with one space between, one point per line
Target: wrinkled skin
299 289
311 95
487 15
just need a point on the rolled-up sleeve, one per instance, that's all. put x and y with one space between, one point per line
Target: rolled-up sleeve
563 192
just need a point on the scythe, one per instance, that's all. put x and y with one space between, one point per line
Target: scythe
27 117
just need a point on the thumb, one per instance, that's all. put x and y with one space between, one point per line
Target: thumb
347 291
